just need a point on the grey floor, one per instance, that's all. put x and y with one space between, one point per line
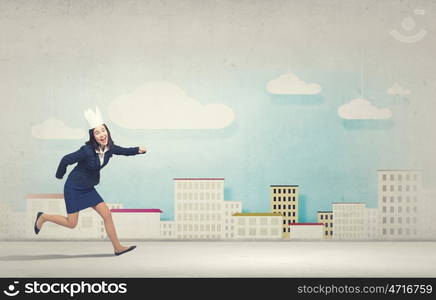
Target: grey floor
219 259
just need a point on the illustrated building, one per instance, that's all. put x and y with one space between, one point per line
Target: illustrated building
230 208
326 218
398 197
371 224
349 219
168 230
284 200
427 215
199 206
135 223
306 231
257 225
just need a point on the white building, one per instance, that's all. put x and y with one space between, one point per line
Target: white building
134 223
168 230
5 211
258 225
230 208
306 231
398 197
349 219
199 205
17 225
371 224
427 215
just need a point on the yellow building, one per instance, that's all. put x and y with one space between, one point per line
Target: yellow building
284 200
326 217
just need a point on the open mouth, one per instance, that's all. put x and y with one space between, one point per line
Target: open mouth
103 140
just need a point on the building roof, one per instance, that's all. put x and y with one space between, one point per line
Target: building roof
299 224
198 178
325 211
136 210
285 185
257 214
45 196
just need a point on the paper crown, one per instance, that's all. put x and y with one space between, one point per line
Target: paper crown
94 118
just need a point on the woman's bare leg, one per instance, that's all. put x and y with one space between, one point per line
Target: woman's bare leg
106 214
70 221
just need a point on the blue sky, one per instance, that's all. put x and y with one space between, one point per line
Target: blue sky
60 61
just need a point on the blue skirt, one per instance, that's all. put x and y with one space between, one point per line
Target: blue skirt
78 198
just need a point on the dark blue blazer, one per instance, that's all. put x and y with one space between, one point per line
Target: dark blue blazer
87 172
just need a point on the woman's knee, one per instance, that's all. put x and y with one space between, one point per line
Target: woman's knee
107 215
72 223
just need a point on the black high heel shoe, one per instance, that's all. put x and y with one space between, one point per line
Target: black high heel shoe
37 217
127 250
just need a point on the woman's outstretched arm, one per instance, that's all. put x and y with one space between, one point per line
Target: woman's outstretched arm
117 150
70 159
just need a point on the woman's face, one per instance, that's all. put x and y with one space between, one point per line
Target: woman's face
101 135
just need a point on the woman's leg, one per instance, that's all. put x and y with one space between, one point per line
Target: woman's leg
106 214
70 221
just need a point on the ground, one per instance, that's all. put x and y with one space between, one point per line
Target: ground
219 259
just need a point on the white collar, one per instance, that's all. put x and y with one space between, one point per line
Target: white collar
106 148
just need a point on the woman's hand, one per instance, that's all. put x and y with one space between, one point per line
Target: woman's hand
142 150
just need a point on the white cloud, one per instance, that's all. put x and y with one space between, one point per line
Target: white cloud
163 105
363 109
54 129
397 89
292 85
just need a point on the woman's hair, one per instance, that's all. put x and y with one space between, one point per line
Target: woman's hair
94 143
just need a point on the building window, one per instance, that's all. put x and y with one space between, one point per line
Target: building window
392 199
399 199
392 188
399 177
400 220
384 188
392 177
384 220
284 229
275 198
280 191
274 191
384 199
384 209
322 217
289 191
331 217
392 209
407 177
274 206
384 177
284 222
384 231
